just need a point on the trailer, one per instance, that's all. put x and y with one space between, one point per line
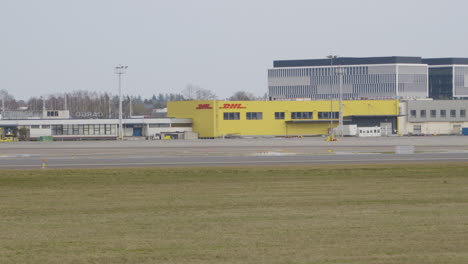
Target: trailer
369 132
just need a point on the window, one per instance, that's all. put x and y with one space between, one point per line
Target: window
443 113
57 130
52 113
182 125
423 113
46 126
433 113
65 129
75 130
453 113
232 116
160 125
254 115
328 115
85 129
413 113
279 115
301 115
108 129
463 113
35 126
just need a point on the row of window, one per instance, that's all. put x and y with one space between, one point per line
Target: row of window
362 79
319 71
94 129
52 113
323 92
125 125
249 116
280 115
433 113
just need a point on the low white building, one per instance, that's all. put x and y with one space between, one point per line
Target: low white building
432 117
57 124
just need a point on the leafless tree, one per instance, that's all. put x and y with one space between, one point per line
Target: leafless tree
193 92
7 100
242 96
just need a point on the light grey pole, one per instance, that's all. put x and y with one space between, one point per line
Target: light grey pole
331 104
120 108
340 117
120 70
331 57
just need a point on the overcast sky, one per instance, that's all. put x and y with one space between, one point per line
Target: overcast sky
56 46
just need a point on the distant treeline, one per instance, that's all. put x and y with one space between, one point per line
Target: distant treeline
104 105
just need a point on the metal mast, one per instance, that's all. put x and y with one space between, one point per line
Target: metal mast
119 70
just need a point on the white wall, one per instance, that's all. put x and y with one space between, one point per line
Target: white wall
39 132
128 131
435 128
155 130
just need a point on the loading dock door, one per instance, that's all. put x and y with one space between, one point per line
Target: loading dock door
386 129
137 132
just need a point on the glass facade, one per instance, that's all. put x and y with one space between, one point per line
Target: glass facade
460 79
440 83
92 129
358 82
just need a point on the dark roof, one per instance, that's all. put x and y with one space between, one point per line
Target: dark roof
374 115
445 61
346 61
310 121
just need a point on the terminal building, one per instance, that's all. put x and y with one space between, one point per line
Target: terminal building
361 78
57 125
218 119
404 78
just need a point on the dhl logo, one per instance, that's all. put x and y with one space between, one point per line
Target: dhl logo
204 106
232 106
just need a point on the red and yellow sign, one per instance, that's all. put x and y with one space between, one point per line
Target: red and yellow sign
232 106
203 106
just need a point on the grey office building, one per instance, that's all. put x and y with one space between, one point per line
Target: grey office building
448 78
362 78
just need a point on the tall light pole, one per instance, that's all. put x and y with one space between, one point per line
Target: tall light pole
331 57
119 70
340 116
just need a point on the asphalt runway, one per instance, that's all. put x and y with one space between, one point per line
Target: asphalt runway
238 152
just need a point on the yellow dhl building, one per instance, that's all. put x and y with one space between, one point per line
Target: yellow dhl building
213 119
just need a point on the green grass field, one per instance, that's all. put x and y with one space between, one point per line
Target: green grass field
362 214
